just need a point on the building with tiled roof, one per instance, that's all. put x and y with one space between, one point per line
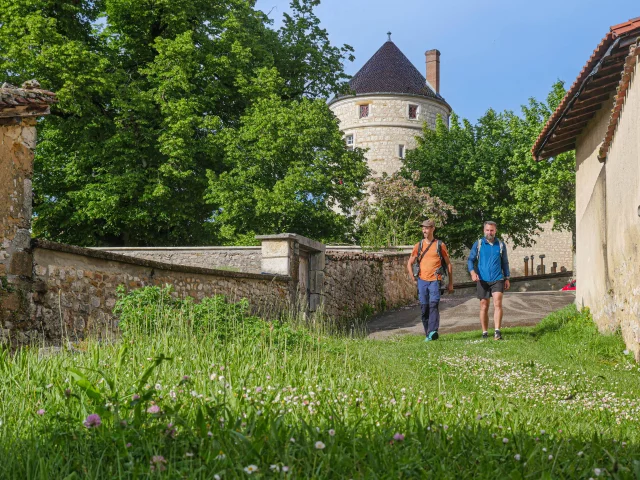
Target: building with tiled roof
389 102
599 118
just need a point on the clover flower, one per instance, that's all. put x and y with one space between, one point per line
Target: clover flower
41 412
93 421
398 437
319 445
517 457
332 432
158 462
153 409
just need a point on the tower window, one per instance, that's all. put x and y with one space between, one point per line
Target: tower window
363 111
401 151
413 112
349 142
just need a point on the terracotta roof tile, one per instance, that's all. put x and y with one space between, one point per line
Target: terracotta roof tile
564 108
27 100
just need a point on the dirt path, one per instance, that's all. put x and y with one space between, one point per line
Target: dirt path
460 313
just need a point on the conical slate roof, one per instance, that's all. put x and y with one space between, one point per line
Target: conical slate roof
390 71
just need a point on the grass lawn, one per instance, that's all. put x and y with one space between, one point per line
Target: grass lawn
210 392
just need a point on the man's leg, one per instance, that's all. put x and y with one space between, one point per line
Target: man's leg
497 309
423 298
434 304
484 314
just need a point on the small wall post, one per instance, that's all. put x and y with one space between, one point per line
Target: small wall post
542 271
526 266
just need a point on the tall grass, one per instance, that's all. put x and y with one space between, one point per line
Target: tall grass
195 391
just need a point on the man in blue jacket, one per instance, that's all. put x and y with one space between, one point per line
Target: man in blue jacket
489 268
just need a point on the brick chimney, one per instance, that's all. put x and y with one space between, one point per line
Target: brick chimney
433 68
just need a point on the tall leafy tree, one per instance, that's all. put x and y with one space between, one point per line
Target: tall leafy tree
288 171
145 88
485 171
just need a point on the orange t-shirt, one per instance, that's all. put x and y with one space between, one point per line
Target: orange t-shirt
430 260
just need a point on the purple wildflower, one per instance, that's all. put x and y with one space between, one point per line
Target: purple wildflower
153 409
398 437
93 421
41 412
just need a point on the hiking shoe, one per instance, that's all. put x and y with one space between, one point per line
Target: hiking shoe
485 335
433 335
497 335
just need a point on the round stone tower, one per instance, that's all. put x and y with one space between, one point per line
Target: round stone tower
389 102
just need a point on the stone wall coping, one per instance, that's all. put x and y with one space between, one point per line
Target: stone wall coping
115 257
158 249
567 274
312 245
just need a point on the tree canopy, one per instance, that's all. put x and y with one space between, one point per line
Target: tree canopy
154 97
486 172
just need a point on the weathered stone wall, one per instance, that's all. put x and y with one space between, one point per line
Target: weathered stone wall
387 126
619 305
75 289
17 141
354 283
240 259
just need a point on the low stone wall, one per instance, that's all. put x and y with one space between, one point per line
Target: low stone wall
533 283
74 289
239 259
358 283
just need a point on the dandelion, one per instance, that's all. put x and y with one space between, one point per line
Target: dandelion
320 445
251 469
153 409
398 437
41 412
517 457
93 421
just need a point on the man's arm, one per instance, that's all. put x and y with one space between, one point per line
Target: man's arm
505 267
412 260
445 254
473 255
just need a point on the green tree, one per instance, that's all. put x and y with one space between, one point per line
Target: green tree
486 172
145 89
288 171
392 212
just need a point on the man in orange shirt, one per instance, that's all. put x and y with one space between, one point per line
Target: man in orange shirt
432 257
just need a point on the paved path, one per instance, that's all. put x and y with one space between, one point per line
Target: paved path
460 313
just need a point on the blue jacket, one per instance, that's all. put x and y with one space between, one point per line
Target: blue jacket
491 267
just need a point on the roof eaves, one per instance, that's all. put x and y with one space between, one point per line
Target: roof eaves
25 101
623 88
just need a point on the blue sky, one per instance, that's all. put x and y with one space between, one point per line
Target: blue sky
494 53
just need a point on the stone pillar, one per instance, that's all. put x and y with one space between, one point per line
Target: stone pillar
300 258
19 108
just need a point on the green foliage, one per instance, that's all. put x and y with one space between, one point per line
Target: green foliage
486 172
547 402
392 214
146 87
289 171
151 311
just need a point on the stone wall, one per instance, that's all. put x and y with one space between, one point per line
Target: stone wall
75 289
239 259
387 126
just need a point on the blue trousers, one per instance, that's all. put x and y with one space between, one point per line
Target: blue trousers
429 297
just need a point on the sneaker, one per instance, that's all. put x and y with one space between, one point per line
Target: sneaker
497 335
433 335
427 339
485 335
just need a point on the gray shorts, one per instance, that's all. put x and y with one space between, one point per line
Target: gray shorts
487 289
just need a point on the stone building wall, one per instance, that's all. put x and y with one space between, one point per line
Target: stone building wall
239 259
75 289
387 126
